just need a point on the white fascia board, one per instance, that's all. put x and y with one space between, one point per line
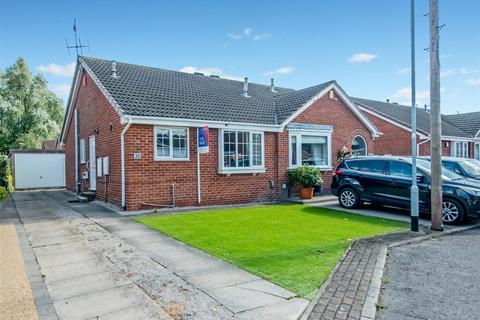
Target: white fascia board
453 138
71 99
404 127
345 99
193 123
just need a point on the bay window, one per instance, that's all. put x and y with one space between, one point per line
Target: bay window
477 151
171 143
241 151
310 148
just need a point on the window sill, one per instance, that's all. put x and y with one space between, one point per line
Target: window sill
322 168
170 159
243 170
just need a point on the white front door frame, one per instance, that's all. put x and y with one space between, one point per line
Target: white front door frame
92 164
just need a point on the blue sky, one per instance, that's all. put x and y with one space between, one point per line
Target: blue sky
364 45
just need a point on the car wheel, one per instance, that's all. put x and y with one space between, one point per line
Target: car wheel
452 212
348 198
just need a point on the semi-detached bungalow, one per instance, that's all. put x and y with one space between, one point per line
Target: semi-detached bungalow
460 133
130 135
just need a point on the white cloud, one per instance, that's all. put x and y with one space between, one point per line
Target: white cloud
61 90
262 36
473 82
403 71
447 73
362 57
282 70
238 36
207 71
406 95
66 71
466 71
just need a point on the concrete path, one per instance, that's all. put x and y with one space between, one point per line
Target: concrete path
81 283
247 296
95 262
377 211
434 279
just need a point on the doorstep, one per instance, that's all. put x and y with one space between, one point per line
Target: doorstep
318 199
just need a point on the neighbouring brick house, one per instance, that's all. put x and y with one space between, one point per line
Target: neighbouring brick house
394 121
469 123
130 134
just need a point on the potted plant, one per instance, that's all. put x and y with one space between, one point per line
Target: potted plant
305 178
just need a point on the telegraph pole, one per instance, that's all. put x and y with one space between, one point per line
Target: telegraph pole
435 120
414 189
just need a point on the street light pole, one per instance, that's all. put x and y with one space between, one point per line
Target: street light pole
414 188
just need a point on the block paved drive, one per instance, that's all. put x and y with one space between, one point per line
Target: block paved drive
95 262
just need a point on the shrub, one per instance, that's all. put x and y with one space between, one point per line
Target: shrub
3 193
305 177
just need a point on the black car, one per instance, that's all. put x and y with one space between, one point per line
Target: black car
469 168
387 181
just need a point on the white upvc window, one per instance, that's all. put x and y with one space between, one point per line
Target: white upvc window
171 143
82 151
460 149
310 148
241 151
477 150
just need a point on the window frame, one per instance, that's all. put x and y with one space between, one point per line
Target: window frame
476 150
156 157
364 140
82 151
250 169
464 149
298 134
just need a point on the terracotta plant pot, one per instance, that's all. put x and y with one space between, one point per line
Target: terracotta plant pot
306 193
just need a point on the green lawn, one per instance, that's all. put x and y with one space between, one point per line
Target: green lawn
294 246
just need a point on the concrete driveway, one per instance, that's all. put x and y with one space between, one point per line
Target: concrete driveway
378 211
434 279
85 261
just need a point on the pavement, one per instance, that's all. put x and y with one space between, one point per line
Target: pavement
90 262
433 279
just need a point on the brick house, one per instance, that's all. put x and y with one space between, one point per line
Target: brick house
470 124
130 135
394 121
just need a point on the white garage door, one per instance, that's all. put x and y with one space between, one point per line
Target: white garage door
39 170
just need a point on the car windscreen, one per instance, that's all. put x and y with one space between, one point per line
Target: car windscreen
472 167
446 174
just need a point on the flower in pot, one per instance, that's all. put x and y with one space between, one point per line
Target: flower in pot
305 178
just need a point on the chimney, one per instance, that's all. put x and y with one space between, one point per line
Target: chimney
425 106
114 70
245 88
272 85
388 100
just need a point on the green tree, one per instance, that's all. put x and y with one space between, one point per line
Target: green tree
29 112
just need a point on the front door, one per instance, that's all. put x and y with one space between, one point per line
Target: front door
92 164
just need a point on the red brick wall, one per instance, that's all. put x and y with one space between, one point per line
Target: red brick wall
95 114
397 141
345 124
150 181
